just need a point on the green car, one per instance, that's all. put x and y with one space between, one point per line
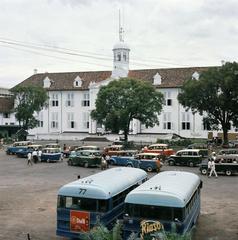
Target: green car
85 158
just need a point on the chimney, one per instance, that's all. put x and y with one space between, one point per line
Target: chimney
35 71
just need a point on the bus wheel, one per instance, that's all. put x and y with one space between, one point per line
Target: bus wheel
204 171
171 163
85 165
149 169
191 164
228 172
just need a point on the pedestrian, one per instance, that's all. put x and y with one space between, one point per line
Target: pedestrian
35 156
213 168
209 164
39 155
29 162
107 157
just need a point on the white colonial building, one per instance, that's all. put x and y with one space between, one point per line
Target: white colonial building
72 97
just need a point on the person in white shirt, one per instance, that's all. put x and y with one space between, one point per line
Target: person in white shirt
39 155
34 156
213 169
209 164
29 162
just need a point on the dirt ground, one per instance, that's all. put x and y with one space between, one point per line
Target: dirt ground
28 196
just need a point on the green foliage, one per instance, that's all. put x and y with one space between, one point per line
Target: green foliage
122 100
29 99
102 233
215 94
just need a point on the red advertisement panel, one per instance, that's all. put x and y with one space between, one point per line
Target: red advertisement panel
79 221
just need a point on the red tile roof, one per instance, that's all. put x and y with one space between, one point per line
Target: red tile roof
170 77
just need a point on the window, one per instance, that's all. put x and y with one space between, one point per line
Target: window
154 212
40 119
70 100
186 121
119 57
70 120
86 119
85 204
168 99
54 120
54 101
6 115
167 124
124 56
206 126
86 102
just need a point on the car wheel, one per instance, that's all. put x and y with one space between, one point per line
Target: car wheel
48 160
171 163
85 165
204 171
228 172
149 169
129 165
70 163
191 164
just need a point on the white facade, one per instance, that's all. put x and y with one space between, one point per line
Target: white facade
68 110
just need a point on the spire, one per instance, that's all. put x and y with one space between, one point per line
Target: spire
121 31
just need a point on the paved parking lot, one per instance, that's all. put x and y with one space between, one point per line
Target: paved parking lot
28 197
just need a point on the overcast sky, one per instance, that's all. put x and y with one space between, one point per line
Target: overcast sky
78 35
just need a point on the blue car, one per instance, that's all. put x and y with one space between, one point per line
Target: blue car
25 150
51 155
145 161
14 149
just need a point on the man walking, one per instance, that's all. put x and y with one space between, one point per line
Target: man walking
29 162
213 169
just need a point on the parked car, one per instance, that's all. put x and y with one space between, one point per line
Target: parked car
113 149
187 157
17 146
161 148
121 158
67 151
146 161
52 145
88 147
85 158
51 155
25 150
227 164
228 151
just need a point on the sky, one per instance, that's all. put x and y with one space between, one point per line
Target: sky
78 35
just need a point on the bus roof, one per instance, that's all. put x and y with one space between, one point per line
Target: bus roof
104 185
169 188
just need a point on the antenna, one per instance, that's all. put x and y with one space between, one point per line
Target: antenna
121 31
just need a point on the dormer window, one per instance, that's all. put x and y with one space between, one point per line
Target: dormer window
77 82
157 79
195 76
46 82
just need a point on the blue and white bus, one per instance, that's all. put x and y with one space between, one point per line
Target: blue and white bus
169 201
97 198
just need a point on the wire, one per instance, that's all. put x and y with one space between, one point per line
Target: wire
96 56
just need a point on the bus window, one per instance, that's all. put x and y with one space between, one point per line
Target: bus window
103 205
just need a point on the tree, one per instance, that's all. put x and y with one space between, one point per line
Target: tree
28 99
214 95
125 99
